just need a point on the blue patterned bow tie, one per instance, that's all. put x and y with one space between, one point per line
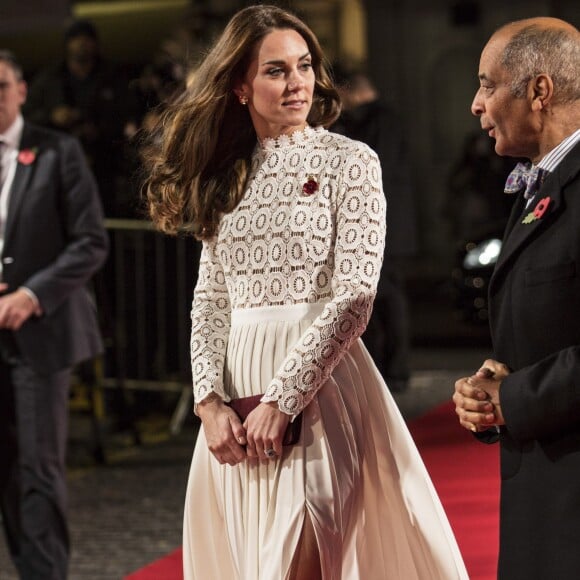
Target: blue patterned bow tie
525 176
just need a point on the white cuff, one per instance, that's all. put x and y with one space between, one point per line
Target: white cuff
33 298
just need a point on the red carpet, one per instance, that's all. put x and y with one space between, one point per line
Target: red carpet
466 475
168 568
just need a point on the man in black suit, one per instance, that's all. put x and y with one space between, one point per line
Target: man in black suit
85 95
52 241
367 118
529 393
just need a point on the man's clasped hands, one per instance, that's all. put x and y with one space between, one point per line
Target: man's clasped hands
476 398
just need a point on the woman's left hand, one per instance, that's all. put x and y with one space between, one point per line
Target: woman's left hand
265 427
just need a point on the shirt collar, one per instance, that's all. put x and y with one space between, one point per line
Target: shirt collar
551 160
13 134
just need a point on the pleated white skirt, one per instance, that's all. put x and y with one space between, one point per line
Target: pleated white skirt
356 473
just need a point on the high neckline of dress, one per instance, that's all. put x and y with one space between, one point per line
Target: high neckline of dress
285 141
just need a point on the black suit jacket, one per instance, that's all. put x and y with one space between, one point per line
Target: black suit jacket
377 125
535 325
54 241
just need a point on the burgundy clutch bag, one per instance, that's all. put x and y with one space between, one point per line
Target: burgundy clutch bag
244 405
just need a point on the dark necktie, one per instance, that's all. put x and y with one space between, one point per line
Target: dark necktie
2 145
3 172
527 177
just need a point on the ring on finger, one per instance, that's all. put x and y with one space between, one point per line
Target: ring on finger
269 452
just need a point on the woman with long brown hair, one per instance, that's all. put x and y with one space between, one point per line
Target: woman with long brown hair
292 219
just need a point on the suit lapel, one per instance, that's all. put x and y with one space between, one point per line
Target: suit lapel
22 178
518 233
515 215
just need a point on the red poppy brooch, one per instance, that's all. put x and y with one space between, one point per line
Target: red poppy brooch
538 212
311 186
27 156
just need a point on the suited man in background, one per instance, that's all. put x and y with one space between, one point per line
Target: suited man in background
86 95
368 118
52 241
529 393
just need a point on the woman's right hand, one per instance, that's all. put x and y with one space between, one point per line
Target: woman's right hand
265 427
224 433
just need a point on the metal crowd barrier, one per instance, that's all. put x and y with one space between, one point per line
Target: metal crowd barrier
144 297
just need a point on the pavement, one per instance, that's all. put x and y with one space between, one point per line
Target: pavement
128 512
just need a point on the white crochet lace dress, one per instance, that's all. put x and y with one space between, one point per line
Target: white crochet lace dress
284 293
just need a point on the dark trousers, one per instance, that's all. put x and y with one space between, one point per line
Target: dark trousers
33 436
387 335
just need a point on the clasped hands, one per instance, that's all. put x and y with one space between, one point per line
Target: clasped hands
258 438
476 398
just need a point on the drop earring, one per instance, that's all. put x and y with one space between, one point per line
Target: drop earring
243 100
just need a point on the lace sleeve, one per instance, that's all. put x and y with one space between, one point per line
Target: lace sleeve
358 254
210 317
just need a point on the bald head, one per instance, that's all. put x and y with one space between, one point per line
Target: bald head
540 22
537 46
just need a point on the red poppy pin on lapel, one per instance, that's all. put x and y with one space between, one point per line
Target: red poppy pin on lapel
27 156
538 212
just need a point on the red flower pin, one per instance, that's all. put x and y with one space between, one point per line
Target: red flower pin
27 156
541 208
311 186
538 212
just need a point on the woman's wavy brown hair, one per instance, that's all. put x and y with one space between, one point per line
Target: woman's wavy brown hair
199 154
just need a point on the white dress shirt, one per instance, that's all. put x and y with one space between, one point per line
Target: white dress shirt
11 143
